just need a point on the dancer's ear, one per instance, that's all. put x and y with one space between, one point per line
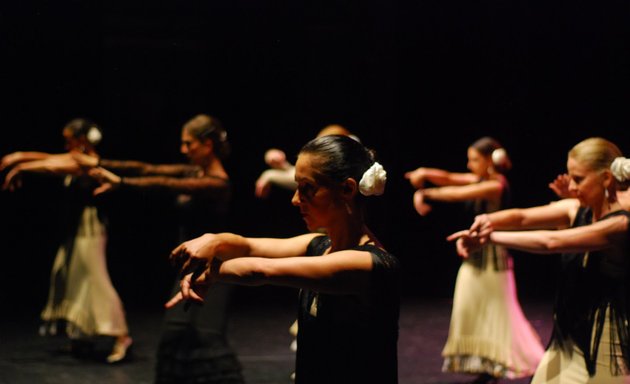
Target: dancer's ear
349 188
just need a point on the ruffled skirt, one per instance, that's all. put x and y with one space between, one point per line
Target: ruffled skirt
488 331
81 292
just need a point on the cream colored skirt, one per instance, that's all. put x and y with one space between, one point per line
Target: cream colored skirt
81 291
488 331
562 367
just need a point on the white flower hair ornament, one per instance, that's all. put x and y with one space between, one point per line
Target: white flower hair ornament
373 181
499 156
620 168
94 135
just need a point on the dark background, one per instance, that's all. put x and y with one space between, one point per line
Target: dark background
418 81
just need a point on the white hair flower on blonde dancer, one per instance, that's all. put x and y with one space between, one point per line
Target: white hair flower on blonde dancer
620 168
373 180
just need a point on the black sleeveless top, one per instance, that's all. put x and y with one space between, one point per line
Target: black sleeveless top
350 338
590 283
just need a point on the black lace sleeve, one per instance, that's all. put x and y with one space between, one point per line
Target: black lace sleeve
318 245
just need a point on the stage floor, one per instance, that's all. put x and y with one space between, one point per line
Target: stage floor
259 334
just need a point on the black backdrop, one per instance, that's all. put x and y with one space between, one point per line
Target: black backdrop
416 80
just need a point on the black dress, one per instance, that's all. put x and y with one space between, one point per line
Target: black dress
350 338
193 347
591 285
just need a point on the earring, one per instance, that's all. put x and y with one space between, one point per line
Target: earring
348 209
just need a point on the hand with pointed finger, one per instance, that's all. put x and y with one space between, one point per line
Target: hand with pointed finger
467 242
192 289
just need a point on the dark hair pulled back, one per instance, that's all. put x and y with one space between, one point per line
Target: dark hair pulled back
341 157
204 127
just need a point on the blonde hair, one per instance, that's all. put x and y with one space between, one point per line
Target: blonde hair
596 153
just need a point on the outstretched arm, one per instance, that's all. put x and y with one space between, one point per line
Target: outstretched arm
225 246
256 261
205 185
600 235
344 272
556 215
14 158
440 177
145 169
284 178
490 189
136 168
62 164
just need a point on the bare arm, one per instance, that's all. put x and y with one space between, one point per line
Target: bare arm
439 177
490 189
225 246
284 178
556 215
14 158
600 235
62 164
237 256
344 272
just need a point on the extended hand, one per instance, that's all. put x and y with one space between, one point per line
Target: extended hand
466 243
12 180
481 227
416 177
276 159
9 160
191 253
109 180
421 207
192 288
560 186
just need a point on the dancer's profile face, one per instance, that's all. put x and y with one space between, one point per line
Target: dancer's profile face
72 143
478 163
317 199
197 151
585 183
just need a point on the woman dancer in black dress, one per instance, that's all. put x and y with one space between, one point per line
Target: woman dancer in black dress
348 306
193 347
